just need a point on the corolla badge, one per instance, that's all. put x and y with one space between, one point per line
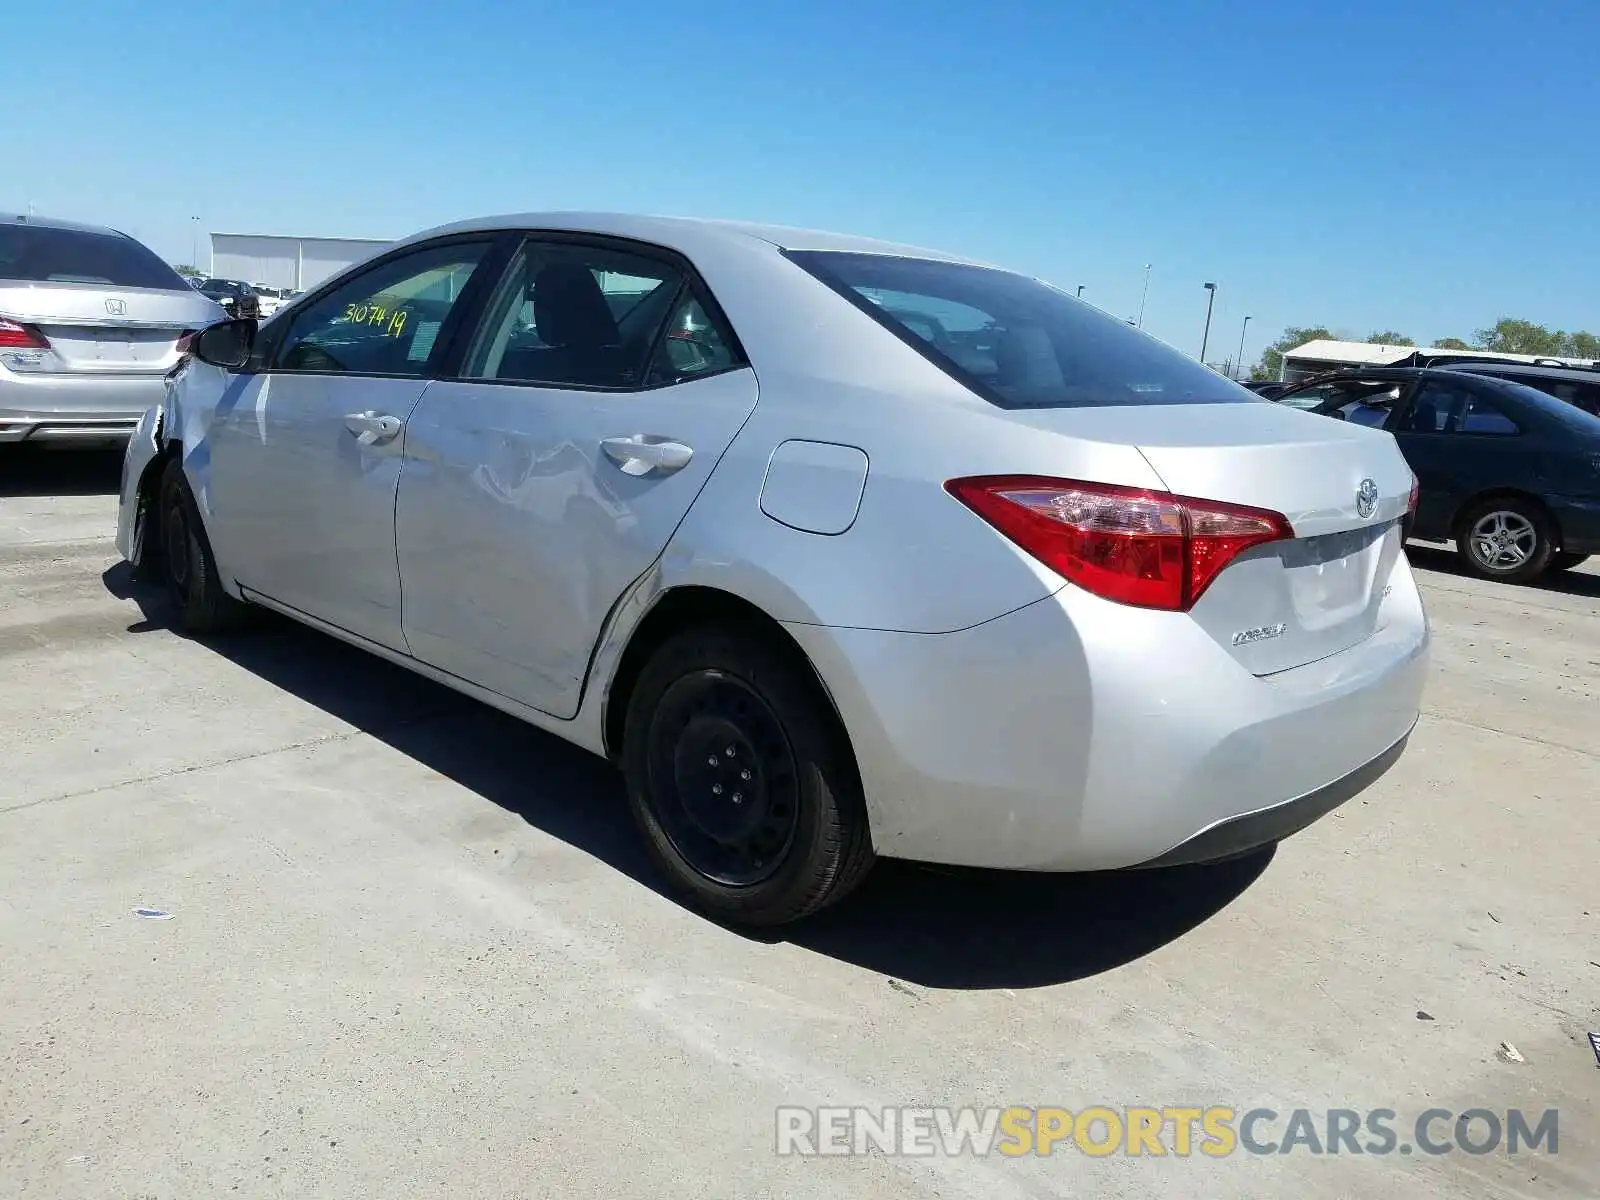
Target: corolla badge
1248 637
1367 498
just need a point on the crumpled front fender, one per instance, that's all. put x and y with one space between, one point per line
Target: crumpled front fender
182 419
133 499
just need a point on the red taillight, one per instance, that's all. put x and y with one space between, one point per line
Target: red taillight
1134 546
20 337
1411 504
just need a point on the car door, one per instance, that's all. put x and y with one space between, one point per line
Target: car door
1458 442
598 393
304 465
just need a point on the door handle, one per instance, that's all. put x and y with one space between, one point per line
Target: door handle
642 453
373 428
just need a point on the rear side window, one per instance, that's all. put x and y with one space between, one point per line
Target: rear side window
1480 416
1437 407
691 346
41 254
1017 342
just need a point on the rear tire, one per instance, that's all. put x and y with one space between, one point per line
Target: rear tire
1508 540
741 780
187 565
1566 560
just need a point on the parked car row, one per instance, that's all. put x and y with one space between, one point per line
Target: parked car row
235 295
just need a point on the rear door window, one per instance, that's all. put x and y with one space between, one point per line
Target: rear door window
573 315
44 254
1437 408
1481 416
1015 341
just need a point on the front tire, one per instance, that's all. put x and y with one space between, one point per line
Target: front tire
1507 540
188 567
742 781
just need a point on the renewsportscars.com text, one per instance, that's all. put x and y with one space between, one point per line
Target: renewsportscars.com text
1215 1132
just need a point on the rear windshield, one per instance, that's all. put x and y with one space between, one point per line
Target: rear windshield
41 254
1015 341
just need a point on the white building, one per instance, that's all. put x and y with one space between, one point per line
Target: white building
1324 354
286 262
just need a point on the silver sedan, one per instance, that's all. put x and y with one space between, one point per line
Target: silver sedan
90 322
839 549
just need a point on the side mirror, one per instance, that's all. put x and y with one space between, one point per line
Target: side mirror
226 344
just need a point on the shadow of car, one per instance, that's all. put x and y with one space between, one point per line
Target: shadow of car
932 926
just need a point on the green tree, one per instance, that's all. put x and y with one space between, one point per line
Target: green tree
1583 345
1510 335
1271 364
1388 337
1451 344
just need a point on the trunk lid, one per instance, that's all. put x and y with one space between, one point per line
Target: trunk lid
1286 603
99 328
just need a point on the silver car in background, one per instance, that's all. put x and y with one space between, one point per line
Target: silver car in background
90 323
840 549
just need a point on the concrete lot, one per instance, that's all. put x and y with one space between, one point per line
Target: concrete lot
415 949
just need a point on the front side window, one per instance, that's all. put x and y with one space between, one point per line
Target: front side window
43 254
570 315
385 321
1017 342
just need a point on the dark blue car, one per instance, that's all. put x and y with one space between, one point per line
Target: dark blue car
1510 474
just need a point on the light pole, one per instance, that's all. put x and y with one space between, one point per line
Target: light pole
1242 328
1144 294
1206 336
1080 290
194 243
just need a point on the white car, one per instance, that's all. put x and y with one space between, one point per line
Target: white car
271 299
839 549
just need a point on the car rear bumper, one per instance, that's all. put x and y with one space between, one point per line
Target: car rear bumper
1579 520
1076 734
1251 831
60 407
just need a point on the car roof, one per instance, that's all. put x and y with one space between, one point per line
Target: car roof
688 233
1356 374
1577 374
56 223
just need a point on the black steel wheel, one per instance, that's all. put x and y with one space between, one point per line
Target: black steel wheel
741 779
187 565
724 774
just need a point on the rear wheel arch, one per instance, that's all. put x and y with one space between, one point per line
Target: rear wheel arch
683 608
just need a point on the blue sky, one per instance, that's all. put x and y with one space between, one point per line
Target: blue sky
1422 166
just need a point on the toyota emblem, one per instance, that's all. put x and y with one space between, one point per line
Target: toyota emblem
116 308
1366 498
